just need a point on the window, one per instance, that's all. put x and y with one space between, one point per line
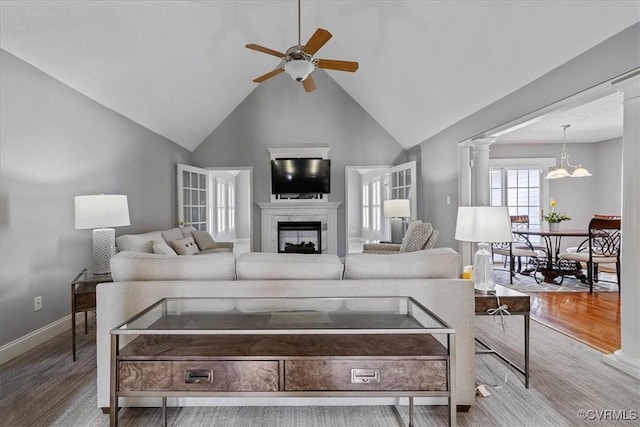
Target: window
192 197
376 206
365 206
207 200
401 182
519 189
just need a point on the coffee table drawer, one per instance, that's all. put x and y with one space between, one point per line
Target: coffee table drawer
198 376
365 374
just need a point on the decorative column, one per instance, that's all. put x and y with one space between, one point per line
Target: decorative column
480 172
627 358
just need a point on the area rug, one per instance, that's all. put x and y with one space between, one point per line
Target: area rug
523 283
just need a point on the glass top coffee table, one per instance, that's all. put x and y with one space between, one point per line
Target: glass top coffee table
283 347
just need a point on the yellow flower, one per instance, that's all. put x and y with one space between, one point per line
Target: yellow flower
553 203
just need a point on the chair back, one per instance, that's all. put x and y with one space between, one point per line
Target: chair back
518 222
604 235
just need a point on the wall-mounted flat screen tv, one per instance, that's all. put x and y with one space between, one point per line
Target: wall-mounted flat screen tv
300 176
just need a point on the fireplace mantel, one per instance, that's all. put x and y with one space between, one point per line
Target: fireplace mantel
299 210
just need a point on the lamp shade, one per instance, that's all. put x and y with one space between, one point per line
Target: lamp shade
397 208
580 172
103 210
557 173
483 224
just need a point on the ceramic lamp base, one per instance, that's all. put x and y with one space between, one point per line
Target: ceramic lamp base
104 247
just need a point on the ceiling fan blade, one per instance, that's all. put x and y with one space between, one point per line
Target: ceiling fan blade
268 75
309 84
265 50
332 64
317 40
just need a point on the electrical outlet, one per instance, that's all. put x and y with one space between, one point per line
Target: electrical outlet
37 304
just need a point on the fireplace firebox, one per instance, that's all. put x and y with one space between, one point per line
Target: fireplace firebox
304 237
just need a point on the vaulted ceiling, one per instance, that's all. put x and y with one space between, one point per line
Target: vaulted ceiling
180 68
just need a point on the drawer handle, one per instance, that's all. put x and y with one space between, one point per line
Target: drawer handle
364 376
197 376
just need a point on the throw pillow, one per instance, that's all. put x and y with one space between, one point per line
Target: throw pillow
417 235
185 246
172 234
186 231
161 248
204 240
137 242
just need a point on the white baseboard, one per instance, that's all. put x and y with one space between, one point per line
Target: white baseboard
23 344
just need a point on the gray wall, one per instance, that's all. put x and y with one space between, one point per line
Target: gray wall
56 143
439 175
608 170
278 113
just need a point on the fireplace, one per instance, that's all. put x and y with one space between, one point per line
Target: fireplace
303 237
326 213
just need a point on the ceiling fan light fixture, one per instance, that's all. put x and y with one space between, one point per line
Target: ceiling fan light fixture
299 69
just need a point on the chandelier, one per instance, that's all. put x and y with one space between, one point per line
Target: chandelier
561 171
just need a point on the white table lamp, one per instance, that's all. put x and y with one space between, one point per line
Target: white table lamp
97 212
397 209
483 224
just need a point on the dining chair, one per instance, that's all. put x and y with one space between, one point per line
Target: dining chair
601 247
520 247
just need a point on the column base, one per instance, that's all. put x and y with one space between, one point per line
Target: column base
621 363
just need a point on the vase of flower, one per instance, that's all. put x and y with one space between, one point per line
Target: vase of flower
554 218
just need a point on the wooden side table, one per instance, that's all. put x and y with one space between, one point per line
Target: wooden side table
83 298
519 305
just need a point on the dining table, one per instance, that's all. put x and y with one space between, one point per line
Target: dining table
551 266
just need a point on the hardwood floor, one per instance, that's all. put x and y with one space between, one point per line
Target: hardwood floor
593 319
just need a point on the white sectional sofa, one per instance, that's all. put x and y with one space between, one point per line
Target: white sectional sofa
430 276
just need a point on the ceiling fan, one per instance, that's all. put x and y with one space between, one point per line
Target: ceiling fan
299 61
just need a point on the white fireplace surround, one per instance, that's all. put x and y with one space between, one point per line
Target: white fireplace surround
325 212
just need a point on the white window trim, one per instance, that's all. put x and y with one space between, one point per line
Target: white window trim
376 187
366 208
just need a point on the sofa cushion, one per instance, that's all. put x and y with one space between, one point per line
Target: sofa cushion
204 240
277 266
162 248
217 250
185 246
439 263
172 234
417 235
138 242
135 266
187 231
